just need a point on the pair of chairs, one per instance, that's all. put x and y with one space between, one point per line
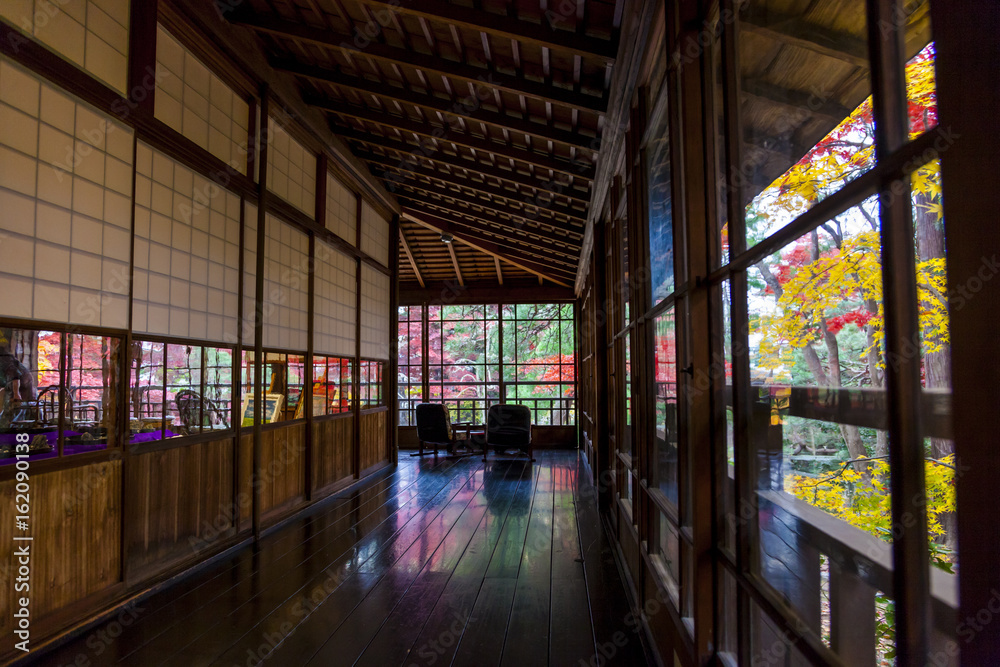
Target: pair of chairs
508 427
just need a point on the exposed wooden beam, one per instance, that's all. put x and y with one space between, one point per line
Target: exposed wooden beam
410 155
532 214
472 111
541 246
558 233
488 248
454 262
800 103
795 31
538 34
514 84
409 256
445 134
522 291
496 262
545 199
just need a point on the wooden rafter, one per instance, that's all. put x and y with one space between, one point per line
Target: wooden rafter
409 256
496 261
454 262
488 248
581 169
536 214
500 25
796 31
544 199
410 155
430 64
534 245
806 104
544 228
512 229
458 109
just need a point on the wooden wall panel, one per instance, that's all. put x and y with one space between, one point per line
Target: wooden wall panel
283 468
75 517
245 496
181 505
333 442
374 447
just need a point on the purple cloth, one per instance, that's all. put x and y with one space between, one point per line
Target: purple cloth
152 436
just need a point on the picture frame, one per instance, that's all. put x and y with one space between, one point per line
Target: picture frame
319 401
272 408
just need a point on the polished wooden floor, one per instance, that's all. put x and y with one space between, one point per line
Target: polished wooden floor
436 563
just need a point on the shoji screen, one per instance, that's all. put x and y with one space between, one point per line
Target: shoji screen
92 34
341 210
196 103
286 286
374 234
187 249
374 313
291 169
249 273
65 205
334 304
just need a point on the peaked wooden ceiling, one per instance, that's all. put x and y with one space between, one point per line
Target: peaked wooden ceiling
484 119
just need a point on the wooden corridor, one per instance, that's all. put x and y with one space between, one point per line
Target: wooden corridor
435 563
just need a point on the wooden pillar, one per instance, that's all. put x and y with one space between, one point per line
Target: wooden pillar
968 53
356 380
392 385
258 322
602 442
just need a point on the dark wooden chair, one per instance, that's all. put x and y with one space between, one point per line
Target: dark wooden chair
196 412
508 426
434 428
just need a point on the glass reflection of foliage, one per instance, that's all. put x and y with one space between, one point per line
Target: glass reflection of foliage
331 385
661 232
371 393
410 363
59 389
179 390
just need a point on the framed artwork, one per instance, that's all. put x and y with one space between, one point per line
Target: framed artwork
319 400
272 408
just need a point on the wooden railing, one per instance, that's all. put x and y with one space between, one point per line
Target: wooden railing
545 411
827 570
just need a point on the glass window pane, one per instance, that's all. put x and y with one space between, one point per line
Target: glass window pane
661 222
217 390
92 382
147 396
295 408
247 388
804 137
184 408
921 88
29 393
935 355
323 390
818 411
665 455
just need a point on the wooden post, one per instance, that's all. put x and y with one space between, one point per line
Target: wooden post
391 387
258 323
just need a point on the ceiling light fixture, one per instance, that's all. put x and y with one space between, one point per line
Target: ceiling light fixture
447 238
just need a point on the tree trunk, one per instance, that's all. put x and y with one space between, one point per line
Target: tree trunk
851 434
937 365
